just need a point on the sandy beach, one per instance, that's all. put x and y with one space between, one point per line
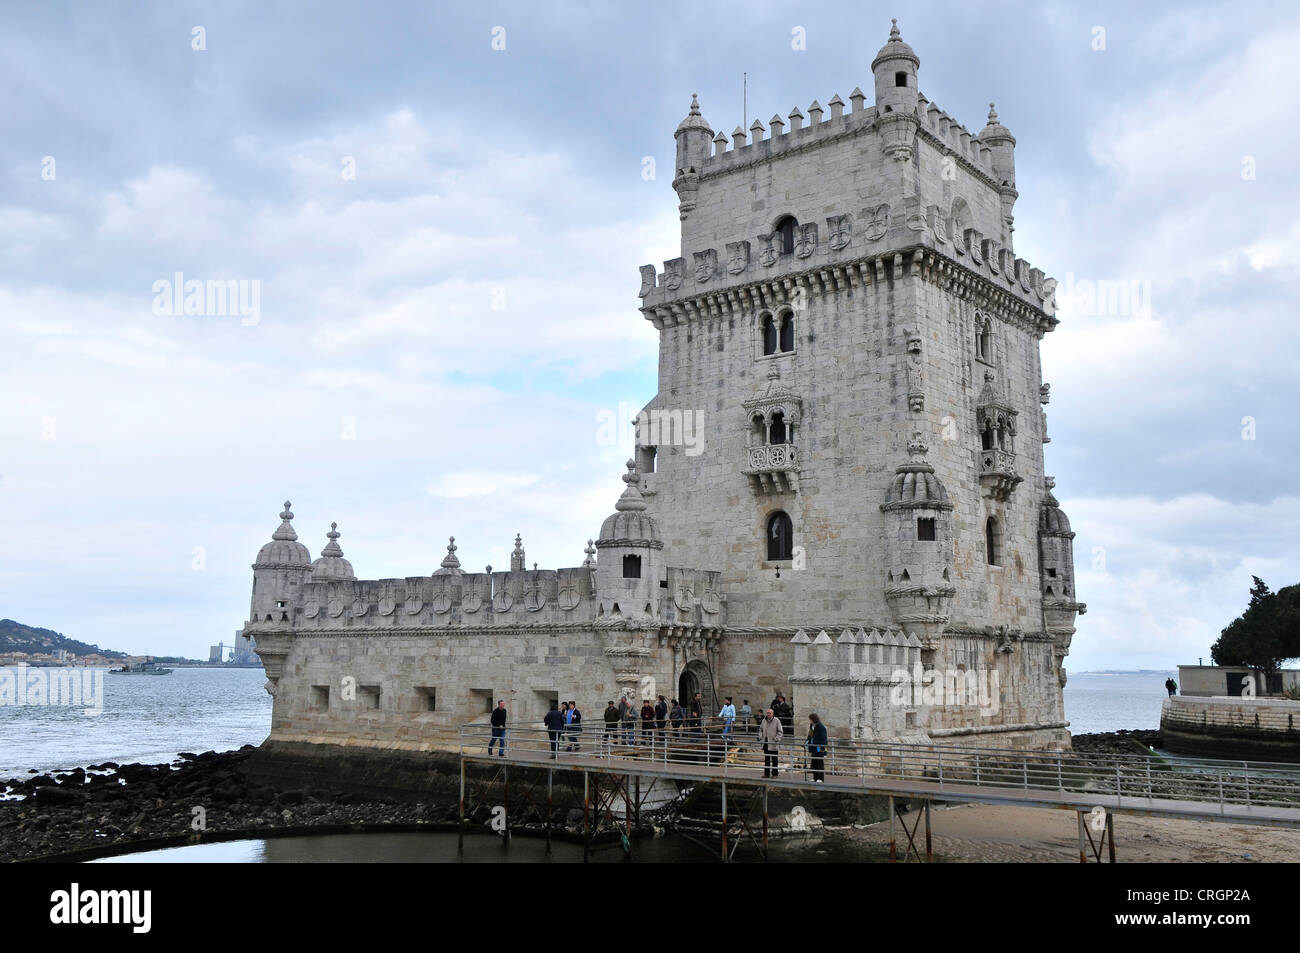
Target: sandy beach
978 833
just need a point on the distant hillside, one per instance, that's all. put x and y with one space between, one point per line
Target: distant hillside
16 637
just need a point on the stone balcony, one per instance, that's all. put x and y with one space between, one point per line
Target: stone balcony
773 468
997 470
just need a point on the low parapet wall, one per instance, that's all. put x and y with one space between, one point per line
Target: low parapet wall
1255 729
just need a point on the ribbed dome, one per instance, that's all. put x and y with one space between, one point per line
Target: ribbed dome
283 551
914 485
1052 520
331 564
995 129
694 119
895 49
630 524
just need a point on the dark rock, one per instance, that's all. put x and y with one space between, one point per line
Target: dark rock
57 795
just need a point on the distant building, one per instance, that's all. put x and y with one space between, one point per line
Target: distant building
1211 680
217 652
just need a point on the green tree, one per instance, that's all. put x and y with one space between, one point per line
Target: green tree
1266 634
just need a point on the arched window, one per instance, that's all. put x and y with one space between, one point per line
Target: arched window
984 339
769 335
993 542
758 427
780 537
785 234
787 331
631 567
776 432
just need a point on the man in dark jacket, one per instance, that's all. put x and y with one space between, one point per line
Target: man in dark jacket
817 741
697 711
785 711
661 714
574 719
611 724
498 728
554 722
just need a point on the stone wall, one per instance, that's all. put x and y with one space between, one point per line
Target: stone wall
1257 729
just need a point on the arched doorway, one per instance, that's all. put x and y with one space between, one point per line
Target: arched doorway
697 677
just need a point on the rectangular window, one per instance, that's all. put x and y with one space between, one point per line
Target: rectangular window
925 529
320 697
483 702
428 697
900 79
368 696
631 567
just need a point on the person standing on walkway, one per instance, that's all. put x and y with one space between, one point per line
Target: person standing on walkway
697 711
661 714
647 722
769 733
1171 687
785 712
629 714
728 716
611 725
816 743
554 722
575 726
498 728
676 716
746 717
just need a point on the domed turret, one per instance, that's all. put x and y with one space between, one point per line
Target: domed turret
284 550
282 567
331 564
1056 565
628 571
1003 145
694 137
895 69
450 564
1052 520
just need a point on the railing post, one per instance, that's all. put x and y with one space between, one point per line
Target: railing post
977 768
1119 784
1245 773
1024 765
1221 811
1060 784
940 769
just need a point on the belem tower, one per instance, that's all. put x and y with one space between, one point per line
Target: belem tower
851 332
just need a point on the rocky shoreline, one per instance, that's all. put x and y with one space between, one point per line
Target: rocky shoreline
108 808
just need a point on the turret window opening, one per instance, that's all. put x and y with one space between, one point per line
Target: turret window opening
780 537
771 336
900 79
925 529
786 323
984 339
993 542
631 567
785 234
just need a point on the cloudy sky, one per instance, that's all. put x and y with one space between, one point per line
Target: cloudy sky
446 236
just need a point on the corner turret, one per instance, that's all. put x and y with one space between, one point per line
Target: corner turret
693 138
331 564
281 569
628 570
1056 564
895 69
1003 146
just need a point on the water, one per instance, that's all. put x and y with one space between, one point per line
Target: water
1113 702
151 719
146 718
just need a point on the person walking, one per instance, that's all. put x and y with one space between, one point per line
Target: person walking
816 743
785 711
728 716
629 721
769 733
676 715
498 729
575 726
554 722
746 717
661 714
611 725
697 711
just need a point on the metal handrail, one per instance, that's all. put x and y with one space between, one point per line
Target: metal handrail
1127 778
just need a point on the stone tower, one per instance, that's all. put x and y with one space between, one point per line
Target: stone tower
860 348
282 567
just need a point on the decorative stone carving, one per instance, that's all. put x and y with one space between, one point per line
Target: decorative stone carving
335 608
737 257
441 603
674 273
915 374
311 610
471 601
875 222
839 230
414 605
995 422
567 598
706 262
647 280
387 605
805 241
360 608
534 597
768 254
502 601
709 601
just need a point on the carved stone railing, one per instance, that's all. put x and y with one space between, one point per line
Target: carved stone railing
997 469
773 468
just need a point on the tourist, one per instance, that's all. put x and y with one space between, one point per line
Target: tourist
661 714
554 722
816 745
676 715
629 720
785 712
746 717
769 733
647 722
611 725
1171 687
574 719
728 716
697 711
498 728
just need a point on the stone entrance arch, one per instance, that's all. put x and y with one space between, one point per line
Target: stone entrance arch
697 677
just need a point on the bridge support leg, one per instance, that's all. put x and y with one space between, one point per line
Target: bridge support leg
550 777
505 840
726 854
765 822
1110 834
929 845
1083 854
893 850
586 815
460 830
